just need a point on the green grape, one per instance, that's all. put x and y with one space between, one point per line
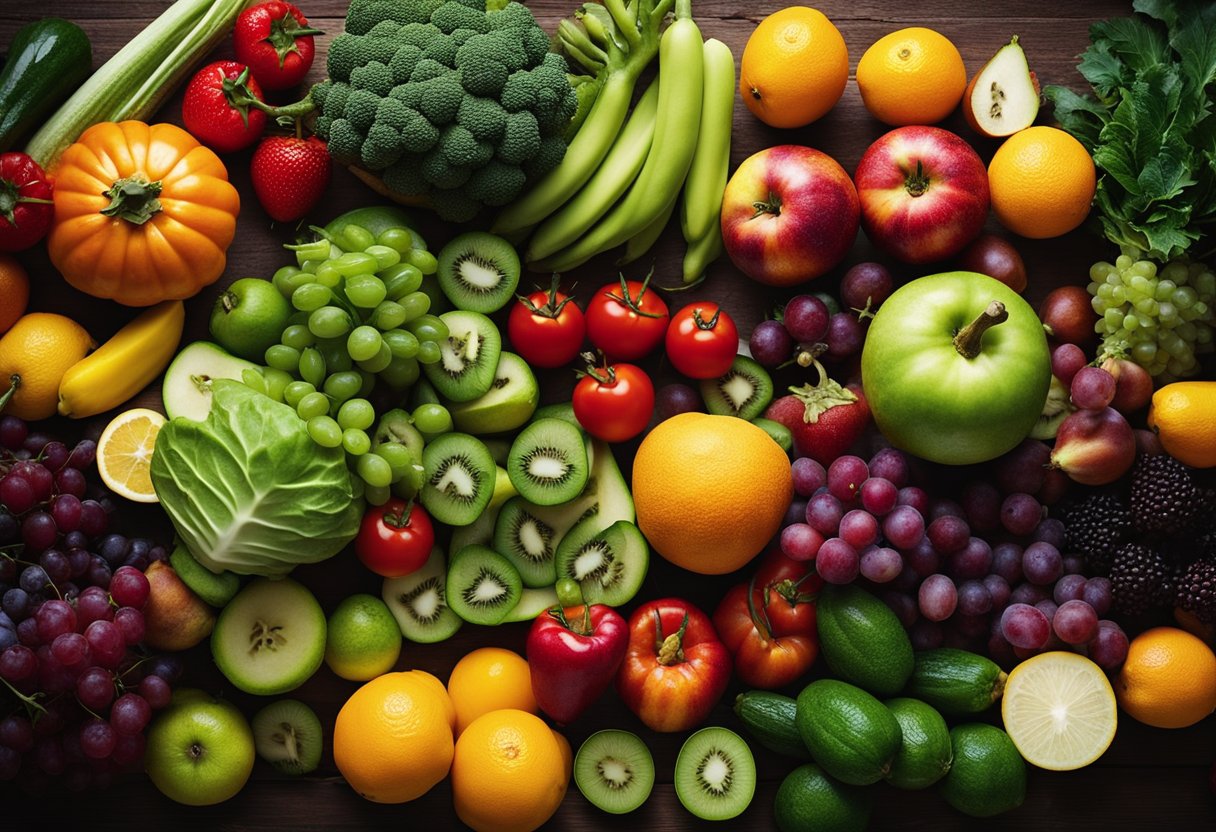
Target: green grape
411 481
401 372
378 361
282 280
282 357
365 290
325 431
432 419
423 259
387 315
428 328
329 322
355 238
355 441
355 263
384 255
276 382
367 382
337 359
343 385
315 250
403 344
397 456
311 296
252 379
429 352
328 276
364 342
400 280
374 470
314 404
377 496
297 337
356 413
312 365
416 304
311 266
399 240
297 390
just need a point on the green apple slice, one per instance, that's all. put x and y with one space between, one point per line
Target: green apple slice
510 402
186 390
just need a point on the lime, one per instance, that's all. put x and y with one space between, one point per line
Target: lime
809 799
924 754
363 640
988 775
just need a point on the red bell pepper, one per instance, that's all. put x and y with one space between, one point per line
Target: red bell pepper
26 209
676 668
573 653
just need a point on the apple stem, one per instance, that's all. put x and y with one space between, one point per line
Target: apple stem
917 184
967 340
771 206
229 301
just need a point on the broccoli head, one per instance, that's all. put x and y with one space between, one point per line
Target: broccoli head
552 151
481 71
497 183
375 78
483 117
342 58
418 34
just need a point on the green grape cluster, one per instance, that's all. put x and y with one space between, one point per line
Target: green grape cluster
361 318
1163 318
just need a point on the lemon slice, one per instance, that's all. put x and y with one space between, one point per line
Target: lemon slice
124 454
1059 710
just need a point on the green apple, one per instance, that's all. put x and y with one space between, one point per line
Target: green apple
955 368
248 317
200 750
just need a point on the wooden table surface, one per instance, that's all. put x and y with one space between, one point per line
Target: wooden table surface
1148 777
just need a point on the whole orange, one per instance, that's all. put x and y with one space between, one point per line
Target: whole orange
1041 182
489 679
1168 679
1184 416
912 76
14 291
710 491
392 738
508 773
794 67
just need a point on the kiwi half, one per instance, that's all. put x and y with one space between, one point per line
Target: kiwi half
614 770
715 775
609 564
509 403
478 271
528 535
1056 408
744 391
419 601
215 589
483 587
270 638
548 462
468 357
287 734
459 478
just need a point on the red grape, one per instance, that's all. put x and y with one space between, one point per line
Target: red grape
97 739
972 561
95 688
904 527
1092 388
881 564
878 495
865 286
1108 649
1097 593
823 513
1020 513
948 534
859 528
806 319
1075 622
809 476
1042 564
837 562
131 622
917 498
1066 361
1025 626
800 541
845 336
937 597
845 476
770 344
890 464
1069 588
129 587
130 713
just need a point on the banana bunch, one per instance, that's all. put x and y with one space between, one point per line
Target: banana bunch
676 138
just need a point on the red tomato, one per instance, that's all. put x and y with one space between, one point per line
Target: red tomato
395 539
218 107
702 340
546 327
786 590
626 320
614 402
276 41
764 657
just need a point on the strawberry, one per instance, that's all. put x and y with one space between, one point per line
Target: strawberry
825 418
289 175
219 107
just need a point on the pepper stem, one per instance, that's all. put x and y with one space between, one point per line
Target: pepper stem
671 648
967 340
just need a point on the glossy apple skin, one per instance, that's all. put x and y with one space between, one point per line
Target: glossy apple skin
925 217
808 233
200 750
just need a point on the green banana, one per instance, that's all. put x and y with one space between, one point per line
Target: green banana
701 253
640 243
701 206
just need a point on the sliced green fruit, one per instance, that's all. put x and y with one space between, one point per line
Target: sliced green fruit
559 410
862 640
419 601
715 775
287 734
482 587
478 271
532 602
509 403
848 732
808 799
745 390
186 390
548 462
270 638
988 775
468 357
614 770
215 589
608 564
460 478
925 754
528 535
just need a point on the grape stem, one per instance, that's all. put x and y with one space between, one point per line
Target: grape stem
967 340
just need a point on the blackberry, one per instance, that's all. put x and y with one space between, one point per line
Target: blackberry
1197 590
1095 527
1165 498
1139 578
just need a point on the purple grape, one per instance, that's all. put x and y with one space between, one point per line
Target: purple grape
39 532
17 733
982 503
973 561
878 495
845 476
1028 593
1069 588
169 667
859 528
71 481
917 498
1025 626
770 344
1022 469
1108 649
107 643
1074 564
1097 593
837 562
1048 607
17 493
998 590
845 336
1075 622
1042 564
54 455
156 691
974 598
890 464
806 319
131 622
78 561
1050 530
923 558
13 432
1092 388
41 479
809 476
865 286
903 605
1020 514
83 454
948 534
823 513
937 597
904 527
676 398
881 564
93 518
97 739
93 605
15 603
56 565
130 713
65 509
1066 361
796 513
1007 562
800 541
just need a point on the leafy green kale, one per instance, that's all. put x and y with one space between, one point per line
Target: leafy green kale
1150 125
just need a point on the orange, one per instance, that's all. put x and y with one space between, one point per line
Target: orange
392 738
913 76
1041 182
794 67
14 292
710 491
437 686
38 350
489 679
1184 416
1169 678
509 772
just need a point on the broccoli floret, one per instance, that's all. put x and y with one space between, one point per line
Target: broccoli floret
321 127
519 93
408 94
513 16
495 184
393 114
405 177
419 34
442 50
361 109
426 69
453 205
439 172
479 5
384 29
481 71
461 35
344 141
335 100
452 16
374 78
320 92
381 148
461 148
418 135
483 117
555 108
521 139
536 45
343 56
509 49
553 62
363 15
404 60
441 99
552 151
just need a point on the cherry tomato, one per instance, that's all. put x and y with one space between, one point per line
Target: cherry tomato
546 327
702 340
614 402
395 539
626 320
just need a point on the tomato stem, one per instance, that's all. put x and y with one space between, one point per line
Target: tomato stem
704 324
552 307
634 304
760 619
967 340
670 649
398 518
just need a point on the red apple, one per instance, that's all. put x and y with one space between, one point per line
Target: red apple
923 193
789 215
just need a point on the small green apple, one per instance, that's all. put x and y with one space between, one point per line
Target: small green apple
200 750
248 317
956 368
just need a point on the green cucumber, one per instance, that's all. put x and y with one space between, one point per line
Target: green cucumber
47 60
862 640
956 682
769 718
848 732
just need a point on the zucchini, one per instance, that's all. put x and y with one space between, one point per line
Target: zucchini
769 718
47 60
956 682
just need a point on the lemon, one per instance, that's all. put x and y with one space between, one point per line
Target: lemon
124 453
362 638
1059 710
34 355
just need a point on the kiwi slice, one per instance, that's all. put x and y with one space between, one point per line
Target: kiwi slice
419 601
614 770
744 391
560 410
480 531
1056 408
483 587
548 462
715 775
609 564
509 403
459 478
287 734
215 589
468 357
528 534
270 638
532 602
478 271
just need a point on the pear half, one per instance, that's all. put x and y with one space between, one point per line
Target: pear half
1003 97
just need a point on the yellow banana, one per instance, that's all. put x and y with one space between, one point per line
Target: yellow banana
124 365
